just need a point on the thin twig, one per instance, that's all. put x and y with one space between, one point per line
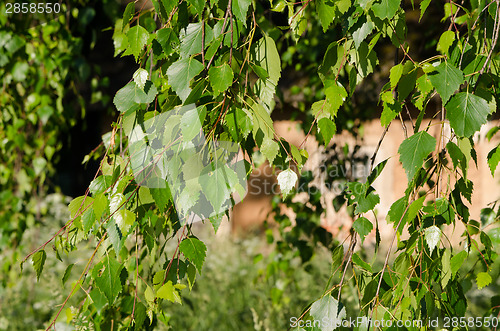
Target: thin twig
386 262
349 257
232 33
203 42
403 125
378 146
495 39
228 10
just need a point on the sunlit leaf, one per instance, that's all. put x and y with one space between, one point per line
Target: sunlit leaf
194 250
483 279
432 237
329 309
287 180
38 260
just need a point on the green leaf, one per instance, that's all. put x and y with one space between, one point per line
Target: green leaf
483 279
395 74
389 112
100 184
137 38
114 235
269 149
445 41
413 210
396 211
67 273
197 5
161 196
386 8
79 204
322 109
129 13
263 124
457 261
120 43
441 207
493 159
192 37
194 250
220 78
490 99
446 268
167 291
38 261
365 60
149 295
332 60
326 13
362 32
88 219
100 204
343 5
363 227
191 125
329 309
327 129
106 275
181 73
240 9
337 257
414 150
129 97
492 132
167 39
239 124
446 79
266 56
363 196
216 220
191 275
424 86
457 157
407 82
359 262
466 113
465 186
432 236
259 71
124 219
336 95
376 172
423 7
98 299
39 165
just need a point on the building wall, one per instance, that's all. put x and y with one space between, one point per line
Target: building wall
254 209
